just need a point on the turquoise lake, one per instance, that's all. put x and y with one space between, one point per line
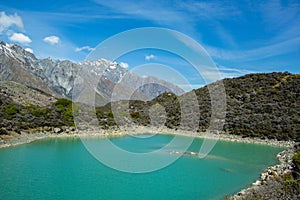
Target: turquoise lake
62 168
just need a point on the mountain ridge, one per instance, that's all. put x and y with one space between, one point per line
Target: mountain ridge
57 76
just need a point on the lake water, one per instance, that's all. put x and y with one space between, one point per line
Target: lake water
62 168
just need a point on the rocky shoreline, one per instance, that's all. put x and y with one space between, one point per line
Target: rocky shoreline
269 179
37 134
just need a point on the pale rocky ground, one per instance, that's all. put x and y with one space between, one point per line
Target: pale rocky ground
24 95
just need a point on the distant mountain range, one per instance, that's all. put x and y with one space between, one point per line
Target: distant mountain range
57 77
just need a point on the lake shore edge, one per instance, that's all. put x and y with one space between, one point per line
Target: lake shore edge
33 135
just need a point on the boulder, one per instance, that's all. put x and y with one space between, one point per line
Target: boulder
57 130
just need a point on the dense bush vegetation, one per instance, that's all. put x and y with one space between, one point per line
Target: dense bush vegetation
11 109
65 107
296 160
264 105
15 117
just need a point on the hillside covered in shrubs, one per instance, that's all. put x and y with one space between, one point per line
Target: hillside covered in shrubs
19 112
258 105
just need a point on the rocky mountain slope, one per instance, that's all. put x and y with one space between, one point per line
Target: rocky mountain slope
13 67
57 77
25 95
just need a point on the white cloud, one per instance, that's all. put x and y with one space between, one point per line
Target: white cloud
168 13
51 39
21 38
124 64
88 48
149 57
259 53
159 12
6 21
29 50
228 72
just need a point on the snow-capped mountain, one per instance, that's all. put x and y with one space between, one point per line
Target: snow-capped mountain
57 77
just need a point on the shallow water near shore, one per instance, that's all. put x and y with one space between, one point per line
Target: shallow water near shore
62 168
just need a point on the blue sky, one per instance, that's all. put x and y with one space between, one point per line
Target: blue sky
241 36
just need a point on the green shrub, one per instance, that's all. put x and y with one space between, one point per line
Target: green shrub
63 104
69 116
11 109
99 113
3 131
287 176
260 77
110 114
38 111
65 107
135 115
259 92
296 160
